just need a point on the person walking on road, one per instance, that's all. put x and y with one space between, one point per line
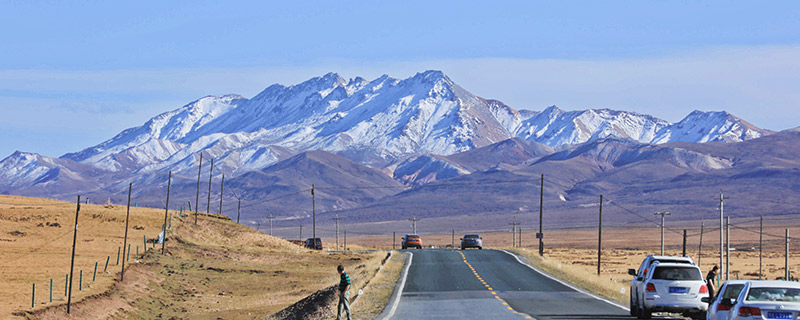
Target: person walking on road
711 281
344 292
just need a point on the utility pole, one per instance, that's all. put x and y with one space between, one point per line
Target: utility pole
727 247
514 232
301 232
414 224
72 263
600 235
337 231
721 230
197 196
540 235
700 246
684 243
345 239
760 242
270 217
166 212
786 256
453 244
239 211
394 237
519 236
664 213
221 186
314 217
210 174
125 239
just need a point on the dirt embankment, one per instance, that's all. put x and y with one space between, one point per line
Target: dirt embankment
214 269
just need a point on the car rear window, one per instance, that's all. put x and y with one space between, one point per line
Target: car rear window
732 291
471 236
677 273
413 237
773 294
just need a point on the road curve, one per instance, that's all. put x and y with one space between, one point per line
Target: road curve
490 284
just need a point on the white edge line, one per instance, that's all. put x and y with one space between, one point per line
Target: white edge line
400 287
571 286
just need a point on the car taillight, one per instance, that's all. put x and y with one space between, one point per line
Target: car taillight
703 289
749 311
723 307
650 288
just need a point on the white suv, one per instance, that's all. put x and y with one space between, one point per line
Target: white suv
673 287
637 286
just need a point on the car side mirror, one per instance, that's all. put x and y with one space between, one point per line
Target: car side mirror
727 302
460 238
632 272
705 299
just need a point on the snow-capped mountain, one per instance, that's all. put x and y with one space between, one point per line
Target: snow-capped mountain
379 122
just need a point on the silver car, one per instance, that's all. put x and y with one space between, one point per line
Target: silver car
729 290
674 287
471 241
763 299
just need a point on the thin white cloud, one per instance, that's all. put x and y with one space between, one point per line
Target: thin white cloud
756 83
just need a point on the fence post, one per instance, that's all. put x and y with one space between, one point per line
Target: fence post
33 296
107 259
94 277
137 253
66 285
51 289
80 282
119 249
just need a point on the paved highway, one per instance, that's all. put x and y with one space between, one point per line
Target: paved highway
489 284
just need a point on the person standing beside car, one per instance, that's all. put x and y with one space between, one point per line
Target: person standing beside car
711 281
344 293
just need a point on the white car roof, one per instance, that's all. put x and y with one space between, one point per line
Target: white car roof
737 281
774 284
672 264
673 258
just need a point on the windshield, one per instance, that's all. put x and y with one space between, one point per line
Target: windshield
773 294
471 236
677 273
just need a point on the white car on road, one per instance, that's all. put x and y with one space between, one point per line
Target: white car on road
729 290
673 287
637 286
766 300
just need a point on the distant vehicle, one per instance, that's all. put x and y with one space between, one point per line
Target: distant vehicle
638 276
471 241
673 287
411 240
763 299
729 290
313 243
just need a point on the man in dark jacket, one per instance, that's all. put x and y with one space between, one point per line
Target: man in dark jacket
711 279
344 292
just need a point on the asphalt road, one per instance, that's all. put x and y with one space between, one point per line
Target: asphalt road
490 284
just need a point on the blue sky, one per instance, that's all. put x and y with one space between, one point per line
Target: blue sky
73 74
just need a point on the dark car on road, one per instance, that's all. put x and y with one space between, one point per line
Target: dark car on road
471 241
411 241
313 243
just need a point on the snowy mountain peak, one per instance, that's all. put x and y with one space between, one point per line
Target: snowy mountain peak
700 126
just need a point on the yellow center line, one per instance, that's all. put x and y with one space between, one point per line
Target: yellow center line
494 293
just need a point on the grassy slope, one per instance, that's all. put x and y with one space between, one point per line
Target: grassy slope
216 269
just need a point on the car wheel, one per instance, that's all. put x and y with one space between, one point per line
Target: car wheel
632 306
644 313
480 248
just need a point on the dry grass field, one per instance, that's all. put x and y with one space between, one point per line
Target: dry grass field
215 269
